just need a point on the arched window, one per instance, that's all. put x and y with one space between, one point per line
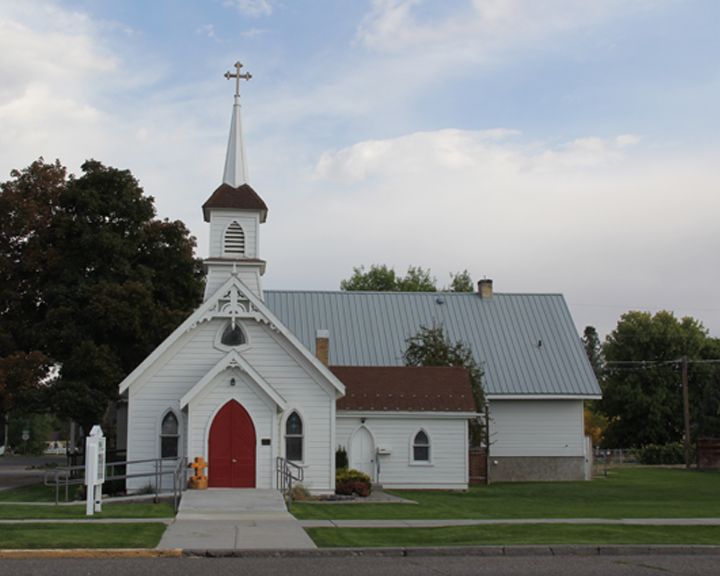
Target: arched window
234 239
294 437
421 447
169 436
232 336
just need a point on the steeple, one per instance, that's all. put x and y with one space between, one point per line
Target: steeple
235 212
235 164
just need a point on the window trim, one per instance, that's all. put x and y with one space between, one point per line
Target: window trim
414 444
218 337
177 435
234 253
301 435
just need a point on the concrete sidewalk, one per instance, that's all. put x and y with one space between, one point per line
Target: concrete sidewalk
227 519
451 522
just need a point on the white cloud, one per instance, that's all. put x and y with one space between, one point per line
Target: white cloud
253 8
206 30
455 150
602 222
482 27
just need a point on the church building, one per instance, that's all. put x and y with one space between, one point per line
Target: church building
256 376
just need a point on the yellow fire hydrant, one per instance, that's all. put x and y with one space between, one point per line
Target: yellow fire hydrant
198 481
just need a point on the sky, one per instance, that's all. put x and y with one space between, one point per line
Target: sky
559 146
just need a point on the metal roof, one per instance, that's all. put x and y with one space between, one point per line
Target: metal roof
526 344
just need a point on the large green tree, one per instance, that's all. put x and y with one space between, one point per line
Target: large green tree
642 394
91 279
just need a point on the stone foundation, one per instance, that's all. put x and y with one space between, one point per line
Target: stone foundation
536 469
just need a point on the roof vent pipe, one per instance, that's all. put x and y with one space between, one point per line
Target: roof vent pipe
485 288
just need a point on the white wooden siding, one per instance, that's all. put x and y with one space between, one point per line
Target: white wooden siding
448 467
219 221
536 428
218 274
290 375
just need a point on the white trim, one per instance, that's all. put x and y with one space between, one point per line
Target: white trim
227 254
206 308
283 432
159 434
543 396
369 415
233 360
224 347
412 461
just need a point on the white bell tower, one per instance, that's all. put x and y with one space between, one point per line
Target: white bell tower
235 212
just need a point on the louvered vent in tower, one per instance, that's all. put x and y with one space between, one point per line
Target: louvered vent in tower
234 239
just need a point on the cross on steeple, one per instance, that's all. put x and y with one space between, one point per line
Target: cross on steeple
238 77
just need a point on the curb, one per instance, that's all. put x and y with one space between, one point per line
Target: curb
91 553
399 552
561 550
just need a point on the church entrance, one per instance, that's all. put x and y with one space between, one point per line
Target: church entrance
232 448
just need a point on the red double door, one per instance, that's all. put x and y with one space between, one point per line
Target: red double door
232 448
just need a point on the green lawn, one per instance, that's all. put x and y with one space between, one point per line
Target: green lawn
36 494
51 511
506 535
14 536
626 493
33 493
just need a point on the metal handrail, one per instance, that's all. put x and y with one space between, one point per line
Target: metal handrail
287 472
65 476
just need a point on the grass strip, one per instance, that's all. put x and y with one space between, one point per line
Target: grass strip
32 493
38 536
51 511
513 534
624 493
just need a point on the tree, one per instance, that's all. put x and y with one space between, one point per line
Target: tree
461 282
431 347
593 350
91 279
380 278
642 395
417 279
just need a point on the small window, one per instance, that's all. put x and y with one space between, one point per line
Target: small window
294 438
421 447
234 239
233 336
169 436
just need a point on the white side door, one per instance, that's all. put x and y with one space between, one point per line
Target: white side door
362 452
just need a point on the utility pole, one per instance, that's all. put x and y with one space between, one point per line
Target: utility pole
686 409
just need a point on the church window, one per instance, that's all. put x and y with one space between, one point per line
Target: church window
294 437
232 335
235 239
421 447
169 436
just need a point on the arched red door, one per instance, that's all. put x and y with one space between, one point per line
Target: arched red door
232 448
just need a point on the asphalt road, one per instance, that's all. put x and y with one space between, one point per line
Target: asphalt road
376 566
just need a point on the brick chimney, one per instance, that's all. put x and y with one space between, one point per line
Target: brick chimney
485 289
322 346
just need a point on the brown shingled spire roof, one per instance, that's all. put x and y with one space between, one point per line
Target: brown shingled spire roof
241 198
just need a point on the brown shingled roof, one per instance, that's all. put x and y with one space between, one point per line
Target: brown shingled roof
405 388
241 198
